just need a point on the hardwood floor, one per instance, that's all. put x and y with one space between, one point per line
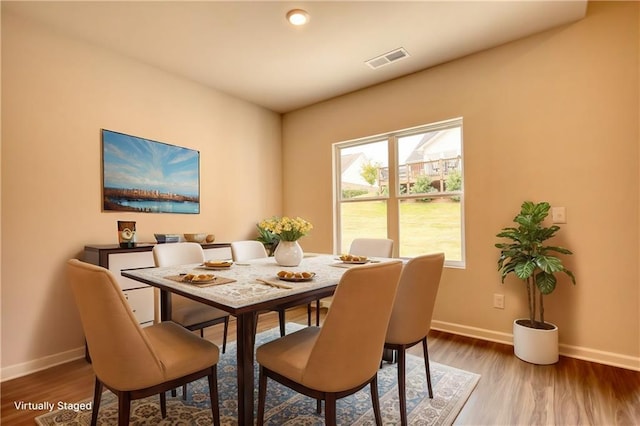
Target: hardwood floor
510 392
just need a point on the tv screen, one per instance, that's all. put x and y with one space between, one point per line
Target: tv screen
142 175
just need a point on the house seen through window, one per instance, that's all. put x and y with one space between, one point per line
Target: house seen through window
405 185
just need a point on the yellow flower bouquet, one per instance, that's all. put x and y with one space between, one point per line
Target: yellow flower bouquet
286 228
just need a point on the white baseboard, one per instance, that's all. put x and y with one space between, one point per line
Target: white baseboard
25 368
578 352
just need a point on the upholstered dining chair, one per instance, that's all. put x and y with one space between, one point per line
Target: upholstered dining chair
131 361
247 249
253 249
411 317
342 356
188 313
370 247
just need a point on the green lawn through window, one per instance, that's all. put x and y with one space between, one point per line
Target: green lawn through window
425 227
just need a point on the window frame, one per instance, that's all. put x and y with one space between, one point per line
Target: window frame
393 197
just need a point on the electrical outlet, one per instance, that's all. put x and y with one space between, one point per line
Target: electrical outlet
498 301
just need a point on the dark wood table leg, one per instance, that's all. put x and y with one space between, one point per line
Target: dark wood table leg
246 329
165 305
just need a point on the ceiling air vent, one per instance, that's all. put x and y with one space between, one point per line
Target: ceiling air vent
387 58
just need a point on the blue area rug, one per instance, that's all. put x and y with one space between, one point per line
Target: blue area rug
451 388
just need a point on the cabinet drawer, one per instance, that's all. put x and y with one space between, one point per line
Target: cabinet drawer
120 261
141 302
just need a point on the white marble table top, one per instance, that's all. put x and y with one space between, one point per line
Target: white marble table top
246 290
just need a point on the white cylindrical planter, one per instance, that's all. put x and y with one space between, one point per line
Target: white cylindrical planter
534 345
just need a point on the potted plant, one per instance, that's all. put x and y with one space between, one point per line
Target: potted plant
536 265
268 239
288 231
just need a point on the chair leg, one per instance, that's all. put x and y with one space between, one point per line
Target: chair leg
262 395
213 395
375 400
97 396
184 392
281 318
309 314
163 404
330 409
255 321
224 336
402 385
426 365
318 312
124 408
202 333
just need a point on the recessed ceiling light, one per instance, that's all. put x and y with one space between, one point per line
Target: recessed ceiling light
297 17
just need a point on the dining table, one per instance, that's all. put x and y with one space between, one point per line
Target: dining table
243 290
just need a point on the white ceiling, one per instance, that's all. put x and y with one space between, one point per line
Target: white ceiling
248 50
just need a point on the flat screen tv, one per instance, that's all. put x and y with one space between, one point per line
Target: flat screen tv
142 175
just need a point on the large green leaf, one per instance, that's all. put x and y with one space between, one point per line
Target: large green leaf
545 282
524 270
549 264
561 250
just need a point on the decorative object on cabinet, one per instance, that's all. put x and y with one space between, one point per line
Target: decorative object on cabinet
195 238
126 233
167 238
536 265
129 160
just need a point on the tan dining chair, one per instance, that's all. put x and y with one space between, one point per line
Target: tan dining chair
188 313
411 317
342 356
131 361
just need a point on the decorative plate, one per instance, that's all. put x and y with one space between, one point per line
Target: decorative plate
297 279
356 262
199 279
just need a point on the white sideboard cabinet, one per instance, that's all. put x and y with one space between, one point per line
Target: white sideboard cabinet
140 296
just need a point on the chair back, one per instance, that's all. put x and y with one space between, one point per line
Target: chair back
349 346
171 254
416 297
122 356
246 250
372 247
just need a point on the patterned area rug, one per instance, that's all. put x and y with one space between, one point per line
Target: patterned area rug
451 388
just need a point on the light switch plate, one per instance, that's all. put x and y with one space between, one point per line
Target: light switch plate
559 214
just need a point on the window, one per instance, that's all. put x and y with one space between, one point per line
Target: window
405 185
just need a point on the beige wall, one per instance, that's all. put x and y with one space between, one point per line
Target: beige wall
570 93
56 96
551 117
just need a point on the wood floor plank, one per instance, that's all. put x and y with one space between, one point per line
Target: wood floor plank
510 392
